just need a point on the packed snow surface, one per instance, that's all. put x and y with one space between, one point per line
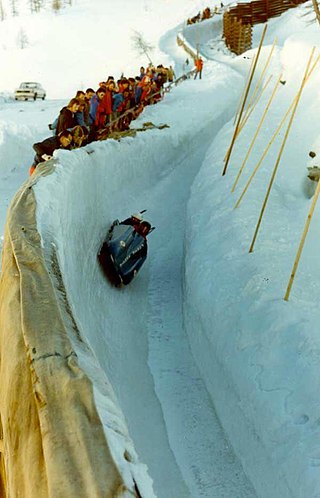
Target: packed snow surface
216 374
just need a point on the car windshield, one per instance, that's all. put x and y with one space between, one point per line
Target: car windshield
28 85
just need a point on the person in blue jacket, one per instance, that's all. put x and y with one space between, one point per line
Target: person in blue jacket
94 102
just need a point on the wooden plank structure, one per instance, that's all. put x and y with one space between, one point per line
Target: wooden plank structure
238 20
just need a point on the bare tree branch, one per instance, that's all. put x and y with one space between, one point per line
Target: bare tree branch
141 46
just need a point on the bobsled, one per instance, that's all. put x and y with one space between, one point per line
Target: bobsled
123 252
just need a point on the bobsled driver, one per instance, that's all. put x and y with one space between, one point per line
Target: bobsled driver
136 220
142 228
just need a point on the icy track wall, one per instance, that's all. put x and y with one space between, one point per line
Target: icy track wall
53 442
58 411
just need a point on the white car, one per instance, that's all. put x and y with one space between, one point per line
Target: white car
29 90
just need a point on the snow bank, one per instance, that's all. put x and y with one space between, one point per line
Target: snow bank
260 354
40 376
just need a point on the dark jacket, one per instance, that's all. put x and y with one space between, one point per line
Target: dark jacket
66 120
86 112
48 146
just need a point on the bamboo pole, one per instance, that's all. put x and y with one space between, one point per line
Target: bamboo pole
302 241
244 101
316 9
244 121
197 39
244 90
272 139
264 115
281 150
255 91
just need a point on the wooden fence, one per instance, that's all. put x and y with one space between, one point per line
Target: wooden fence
238 20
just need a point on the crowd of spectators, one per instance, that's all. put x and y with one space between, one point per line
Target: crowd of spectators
95 115
205 14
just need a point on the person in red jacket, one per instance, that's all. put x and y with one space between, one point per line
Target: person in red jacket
104 110
198 62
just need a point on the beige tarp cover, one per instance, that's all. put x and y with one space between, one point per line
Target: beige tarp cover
52 440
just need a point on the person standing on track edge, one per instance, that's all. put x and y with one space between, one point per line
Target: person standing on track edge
198 62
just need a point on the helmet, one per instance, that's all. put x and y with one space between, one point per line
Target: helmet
137 216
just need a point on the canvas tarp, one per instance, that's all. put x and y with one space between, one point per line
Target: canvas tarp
52 440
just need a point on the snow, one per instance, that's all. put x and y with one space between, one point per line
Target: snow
216 375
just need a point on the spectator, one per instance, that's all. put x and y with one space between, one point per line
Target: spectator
137 90
206 14
79 136
94 102
146 86
45 149
66 119
79 115
104 109
80 95
142 72
171 74
88 96
199 65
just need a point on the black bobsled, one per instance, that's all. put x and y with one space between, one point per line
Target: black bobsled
124 250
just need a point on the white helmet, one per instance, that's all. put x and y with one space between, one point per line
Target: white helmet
137 216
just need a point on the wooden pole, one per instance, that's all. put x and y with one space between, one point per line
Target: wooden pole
244 121
244 102
257 131
255 91
272 139
244 90
281 150
316 9
302 241
197 39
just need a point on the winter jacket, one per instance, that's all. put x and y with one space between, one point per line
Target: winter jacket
117 100
199 64
66 120
94 102
86 112
47 146
104 108
79 117
137 94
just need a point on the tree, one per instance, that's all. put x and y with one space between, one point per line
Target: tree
31 5
141 46
38 5
2 14
13 8
56 5
22 39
